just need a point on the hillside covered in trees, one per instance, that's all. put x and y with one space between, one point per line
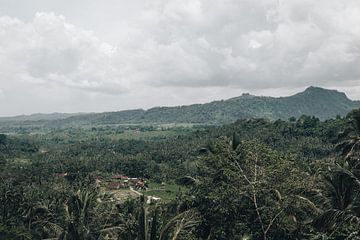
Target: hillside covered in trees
251 179
314 101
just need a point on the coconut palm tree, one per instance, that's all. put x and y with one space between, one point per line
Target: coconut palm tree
179 224
76 218
77 215
142 220
148 223
338 203
350 138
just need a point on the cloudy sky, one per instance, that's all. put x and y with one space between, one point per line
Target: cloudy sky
103 55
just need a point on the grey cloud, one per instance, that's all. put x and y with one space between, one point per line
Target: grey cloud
47 61
246 44
49 50
147 47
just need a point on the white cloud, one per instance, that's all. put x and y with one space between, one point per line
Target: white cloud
51 51
197 45
248 44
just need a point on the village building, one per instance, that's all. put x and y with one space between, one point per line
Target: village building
119 181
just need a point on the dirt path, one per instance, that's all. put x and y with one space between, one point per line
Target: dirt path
136 192
123 194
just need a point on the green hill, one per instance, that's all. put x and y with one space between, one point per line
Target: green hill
314 101
39 117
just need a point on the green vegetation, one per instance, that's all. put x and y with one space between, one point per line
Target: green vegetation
166 192
251 179
322 103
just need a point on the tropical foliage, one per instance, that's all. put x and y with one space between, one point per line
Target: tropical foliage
252 179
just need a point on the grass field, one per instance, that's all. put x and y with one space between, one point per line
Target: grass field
166 191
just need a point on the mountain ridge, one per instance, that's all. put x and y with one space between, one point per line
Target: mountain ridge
313 101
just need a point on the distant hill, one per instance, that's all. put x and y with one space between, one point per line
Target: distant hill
314 101
39 116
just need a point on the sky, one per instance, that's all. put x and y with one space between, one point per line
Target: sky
109 55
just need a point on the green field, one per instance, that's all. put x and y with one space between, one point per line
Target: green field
166 192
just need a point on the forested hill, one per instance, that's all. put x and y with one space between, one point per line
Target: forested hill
39 117
314 101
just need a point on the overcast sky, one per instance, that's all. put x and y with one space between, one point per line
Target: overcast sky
104 55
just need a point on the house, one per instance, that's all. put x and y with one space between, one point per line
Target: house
133 181
140 184
122 181
152 199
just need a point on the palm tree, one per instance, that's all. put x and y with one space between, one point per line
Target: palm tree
350 138
179 224
176 226
339 202
143 216
76 219
77 212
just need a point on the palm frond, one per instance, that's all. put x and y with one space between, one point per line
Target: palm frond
329 220
356 120
179 223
